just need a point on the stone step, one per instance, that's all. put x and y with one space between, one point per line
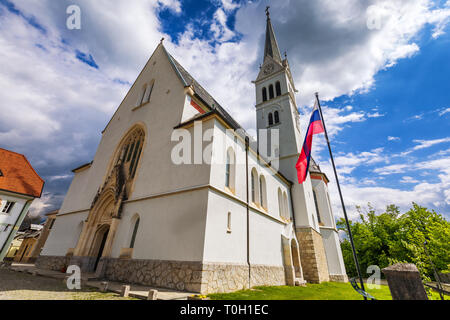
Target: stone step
299 282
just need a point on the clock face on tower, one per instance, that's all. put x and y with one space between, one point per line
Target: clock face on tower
268 68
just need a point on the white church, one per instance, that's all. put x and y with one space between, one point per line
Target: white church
135 215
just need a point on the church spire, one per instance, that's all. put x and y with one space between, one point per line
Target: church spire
271 47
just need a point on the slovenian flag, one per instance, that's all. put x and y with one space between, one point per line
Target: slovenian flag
315 127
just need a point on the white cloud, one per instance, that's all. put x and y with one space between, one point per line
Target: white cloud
350 161
219 26
445 111
393 138
407 179
375 115
394 168
174 5
423 144
229 5
61 104
435 194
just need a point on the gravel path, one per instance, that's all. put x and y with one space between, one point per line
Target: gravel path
22 286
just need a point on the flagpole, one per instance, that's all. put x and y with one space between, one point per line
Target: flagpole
342 199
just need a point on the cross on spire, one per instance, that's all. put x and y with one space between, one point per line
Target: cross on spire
267 11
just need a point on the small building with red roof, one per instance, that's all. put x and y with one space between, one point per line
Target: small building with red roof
19 186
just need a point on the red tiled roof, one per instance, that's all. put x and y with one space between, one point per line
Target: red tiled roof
18 175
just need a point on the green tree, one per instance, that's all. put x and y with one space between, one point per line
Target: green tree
393 237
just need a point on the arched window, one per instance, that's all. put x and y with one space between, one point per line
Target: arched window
262 192
131 151
277 117
135 230
317 206
255 192
142 95
271 94
230 169
146 93
229 222
278 88
270 119
285 205
280 203
264 94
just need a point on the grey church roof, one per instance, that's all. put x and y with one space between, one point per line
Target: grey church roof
202 94
215 107
271 47
313 166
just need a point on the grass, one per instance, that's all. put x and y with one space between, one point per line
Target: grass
323 291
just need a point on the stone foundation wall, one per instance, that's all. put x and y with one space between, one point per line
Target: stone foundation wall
55 263
312 255
180 275
192 276
219 278
338 278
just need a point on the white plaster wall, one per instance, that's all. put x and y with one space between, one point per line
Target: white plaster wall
323 203
171 227
64 234
221 246
10 218
75 196
302 196
333 251
218 166
156 172
265 240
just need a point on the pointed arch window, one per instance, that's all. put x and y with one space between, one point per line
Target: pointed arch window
145 94
271 93
135 230
317 206
264 94
255 192
277 117
278 88
270 119
280 203
230 170
285 205
131 151
229 222
262 192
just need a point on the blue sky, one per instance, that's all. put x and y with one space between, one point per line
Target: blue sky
384 90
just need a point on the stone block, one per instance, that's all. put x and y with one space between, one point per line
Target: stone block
125 292
405 282
152 295
104 286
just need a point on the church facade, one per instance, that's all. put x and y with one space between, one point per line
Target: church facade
228 219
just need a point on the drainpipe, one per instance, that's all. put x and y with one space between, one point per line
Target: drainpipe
16 225
247 143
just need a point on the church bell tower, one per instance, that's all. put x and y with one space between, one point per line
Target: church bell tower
276 109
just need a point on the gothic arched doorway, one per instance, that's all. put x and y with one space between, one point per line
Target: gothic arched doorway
98 245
